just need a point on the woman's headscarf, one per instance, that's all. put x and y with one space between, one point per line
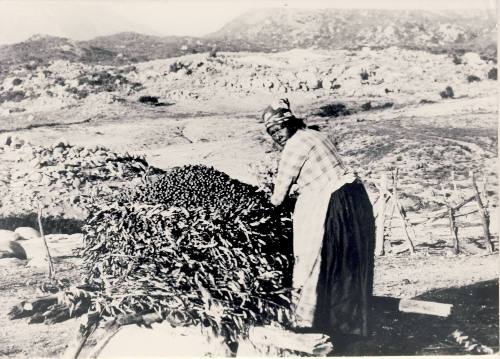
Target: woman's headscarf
280 114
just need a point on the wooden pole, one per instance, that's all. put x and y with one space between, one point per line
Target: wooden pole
49 258
483 212
380 224
401 213
453 229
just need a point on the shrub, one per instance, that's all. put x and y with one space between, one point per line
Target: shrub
492 74
14 96
151 100
193 245
447 93
103 81
79 93
335 110
364 75
60 81
473 78
17 81
366 106
457 60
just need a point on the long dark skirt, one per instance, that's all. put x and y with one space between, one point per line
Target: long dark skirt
345 282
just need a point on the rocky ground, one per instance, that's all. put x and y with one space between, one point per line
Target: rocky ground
67 129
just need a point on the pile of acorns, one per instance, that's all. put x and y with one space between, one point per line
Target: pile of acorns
192 242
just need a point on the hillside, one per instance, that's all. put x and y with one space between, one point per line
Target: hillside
270 30
283 29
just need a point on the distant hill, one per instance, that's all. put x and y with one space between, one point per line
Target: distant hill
283 29
270 30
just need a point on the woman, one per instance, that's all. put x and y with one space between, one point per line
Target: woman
333 228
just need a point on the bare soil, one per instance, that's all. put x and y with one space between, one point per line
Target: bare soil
425 141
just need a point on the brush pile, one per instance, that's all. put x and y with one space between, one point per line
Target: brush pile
193 245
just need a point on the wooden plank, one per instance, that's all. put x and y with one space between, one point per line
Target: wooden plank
425 307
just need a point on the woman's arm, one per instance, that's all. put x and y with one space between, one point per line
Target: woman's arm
292 159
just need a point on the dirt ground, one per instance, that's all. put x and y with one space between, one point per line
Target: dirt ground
171 136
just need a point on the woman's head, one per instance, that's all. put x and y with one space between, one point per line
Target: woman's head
280 122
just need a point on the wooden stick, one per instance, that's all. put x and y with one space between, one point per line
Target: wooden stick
380 222
483 212
453 229
49 258
453 181
402 215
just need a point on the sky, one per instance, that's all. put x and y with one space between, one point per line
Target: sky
83 20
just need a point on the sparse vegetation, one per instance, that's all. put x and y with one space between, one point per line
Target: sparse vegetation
366 106
447 93
150 100
473 78
492 74
333 110
364 75
457 60
13 96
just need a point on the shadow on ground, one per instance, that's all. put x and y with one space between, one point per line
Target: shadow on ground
51 225
475 313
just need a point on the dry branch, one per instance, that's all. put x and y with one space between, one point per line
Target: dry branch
49 258
401 213
485 219
380 221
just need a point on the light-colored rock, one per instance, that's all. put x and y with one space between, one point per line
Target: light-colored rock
12 262
12 249
27 232
6 235
162 340
472 58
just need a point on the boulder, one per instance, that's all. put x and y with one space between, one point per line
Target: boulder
472 58
6 235
12 262
27 232
162 340
12 249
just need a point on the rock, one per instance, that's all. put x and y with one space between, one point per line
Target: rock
182 341
6 235
58 151
472 58
12 249
27 232
310 79
12 262
77 183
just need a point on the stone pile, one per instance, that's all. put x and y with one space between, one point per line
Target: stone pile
62 176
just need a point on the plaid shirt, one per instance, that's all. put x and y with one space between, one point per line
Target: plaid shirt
309 160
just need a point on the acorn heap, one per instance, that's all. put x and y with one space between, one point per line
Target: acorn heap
192 244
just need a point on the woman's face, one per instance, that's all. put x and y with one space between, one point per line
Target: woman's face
281 134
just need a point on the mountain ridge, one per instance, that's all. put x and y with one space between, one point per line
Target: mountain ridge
271 30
